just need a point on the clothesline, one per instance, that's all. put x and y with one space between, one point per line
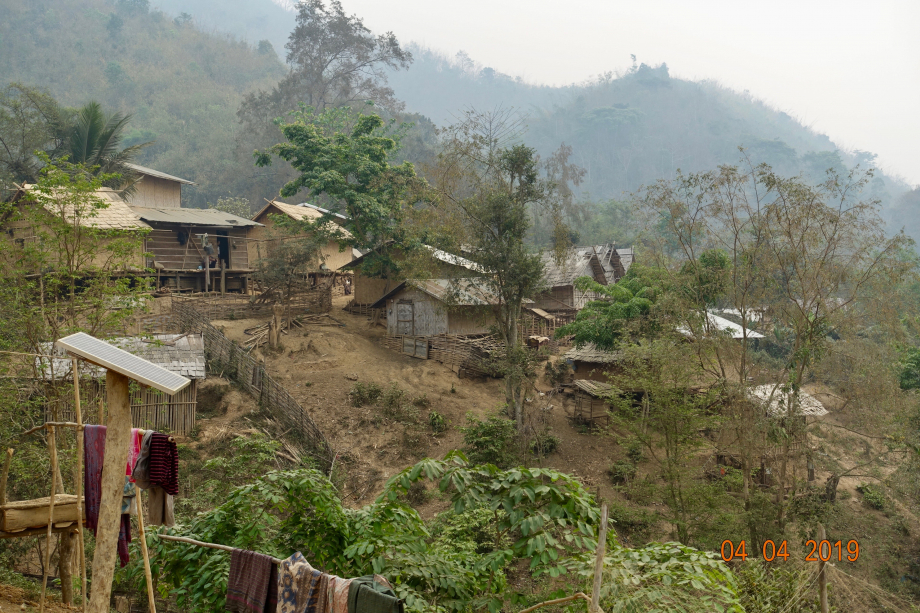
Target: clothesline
182 539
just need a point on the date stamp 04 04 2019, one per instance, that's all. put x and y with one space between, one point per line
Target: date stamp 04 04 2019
820 551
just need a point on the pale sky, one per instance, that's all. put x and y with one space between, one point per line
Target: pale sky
847 68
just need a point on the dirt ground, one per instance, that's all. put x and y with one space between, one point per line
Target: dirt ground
321 364
15 599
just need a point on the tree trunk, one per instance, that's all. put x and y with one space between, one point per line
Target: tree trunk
117 438
274 327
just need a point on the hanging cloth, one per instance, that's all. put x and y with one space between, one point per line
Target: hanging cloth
93 457
337 594
164 463
253 583
372 594
301 588
134 450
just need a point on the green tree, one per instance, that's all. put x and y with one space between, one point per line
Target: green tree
346 160
30 120
95 141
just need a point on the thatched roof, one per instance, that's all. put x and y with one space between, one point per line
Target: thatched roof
604 263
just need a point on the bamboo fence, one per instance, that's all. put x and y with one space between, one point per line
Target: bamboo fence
227 359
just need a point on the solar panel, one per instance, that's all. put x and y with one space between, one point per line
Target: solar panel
103 354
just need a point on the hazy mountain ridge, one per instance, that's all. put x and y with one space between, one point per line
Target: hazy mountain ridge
184 86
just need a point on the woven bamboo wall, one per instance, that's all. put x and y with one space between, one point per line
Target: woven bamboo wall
236 306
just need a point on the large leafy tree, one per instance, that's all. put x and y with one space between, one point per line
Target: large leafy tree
346 160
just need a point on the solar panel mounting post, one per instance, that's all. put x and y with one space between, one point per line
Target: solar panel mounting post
117 439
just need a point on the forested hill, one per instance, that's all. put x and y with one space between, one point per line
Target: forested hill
184 81
182 85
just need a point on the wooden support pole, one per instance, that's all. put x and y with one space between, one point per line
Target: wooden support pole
151 604
822 571
78 476
5 475
223 278
599 562
52 447
117 439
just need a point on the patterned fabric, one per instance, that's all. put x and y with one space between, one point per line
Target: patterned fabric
134 449
164 463
253 583
129 498
337 594
301 588
93 455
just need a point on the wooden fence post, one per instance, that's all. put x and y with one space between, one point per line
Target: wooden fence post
117 438
822 571
599 562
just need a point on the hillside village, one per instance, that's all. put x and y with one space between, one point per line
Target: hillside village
434 384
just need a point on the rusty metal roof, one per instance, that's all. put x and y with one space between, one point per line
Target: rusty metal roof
150 172
193 217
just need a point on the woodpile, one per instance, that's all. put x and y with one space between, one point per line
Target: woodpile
260 333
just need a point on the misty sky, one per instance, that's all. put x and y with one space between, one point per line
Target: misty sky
848 69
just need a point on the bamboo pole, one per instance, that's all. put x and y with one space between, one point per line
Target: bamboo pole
140 526
576 596
599 562
79 477
52 445
182 539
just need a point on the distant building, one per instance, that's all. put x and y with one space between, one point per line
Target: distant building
333 256
156 189
438 306
369 288
606 264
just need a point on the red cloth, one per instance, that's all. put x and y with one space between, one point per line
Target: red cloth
134 449
164 463
93 456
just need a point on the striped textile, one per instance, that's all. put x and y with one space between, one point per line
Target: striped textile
164 463
253 583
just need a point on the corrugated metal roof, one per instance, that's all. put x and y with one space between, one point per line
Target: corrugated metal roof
590 353
180 354
156 173
723 325
598 389
774 397
116 216
455 292
442 256
193 217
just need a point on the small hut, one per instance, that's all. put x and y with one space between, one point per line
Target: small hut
592 401
437 306
590 363
333 256
369 289
606 264
182 354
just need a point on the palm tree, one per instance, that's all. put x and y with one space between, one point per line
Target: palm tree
95 141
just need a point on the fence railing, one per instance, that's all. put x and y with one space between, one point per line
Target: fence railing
238 306
227 359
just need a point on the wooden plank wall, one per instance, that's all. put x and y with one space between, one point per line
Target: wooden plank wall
156 193
166 249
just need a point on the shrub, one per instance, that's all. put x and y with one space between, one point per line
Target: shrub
394 404
635 523
544 444
872 496
490 441
362 394
634 451
421 402
622 472
437 422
